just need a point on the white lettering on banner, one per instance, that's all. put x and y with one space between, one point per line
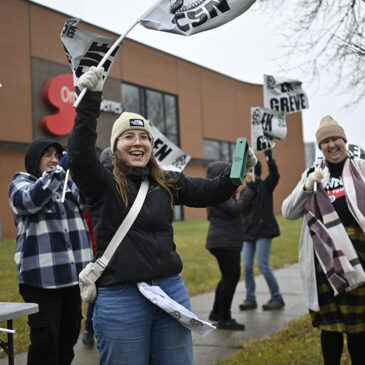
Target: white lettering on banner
67 96
197 13
111 106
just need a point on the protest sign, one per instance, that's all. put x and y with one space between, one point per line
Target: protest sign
259 141
284 94
167 154
273 122
357 150
187 17
85 49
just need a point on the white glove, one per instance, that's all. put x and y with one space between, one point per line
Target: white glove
251 160
92 80
315 176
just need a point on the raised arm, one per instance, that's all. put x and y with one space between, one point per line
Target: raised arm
29 195
86 170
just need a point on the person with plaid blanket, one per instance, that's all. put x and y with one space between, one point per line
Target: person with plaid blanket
329 197
53 246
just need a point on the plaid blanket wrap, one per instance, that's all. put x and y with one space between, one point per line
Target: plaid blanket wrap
332 244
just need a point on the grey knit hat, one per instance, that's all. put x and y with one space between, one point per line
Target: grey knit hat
128 121
328 127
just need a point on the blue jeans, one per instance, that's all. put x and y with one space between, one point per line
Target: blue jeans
131 330
262 246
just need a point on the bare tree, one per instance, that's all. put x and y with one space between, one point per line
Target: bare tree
325 37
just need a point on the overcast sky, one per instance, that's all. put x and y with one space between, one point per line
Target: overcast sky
244 49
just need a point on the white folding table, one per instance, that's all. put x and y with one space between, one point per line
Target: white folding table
8 312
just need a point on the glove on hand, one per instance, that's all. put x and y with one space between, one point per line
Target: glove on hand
63 162
251 160
92 80
315 176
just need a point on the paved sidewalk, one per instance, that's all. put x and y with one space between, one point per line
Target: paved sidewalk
220 343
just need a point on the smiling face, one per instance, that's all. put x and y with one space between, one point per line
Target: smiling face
50 158
134 148
334 149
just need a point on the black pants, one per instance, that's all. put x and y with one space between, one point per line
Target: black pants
54 330
332 347
229 265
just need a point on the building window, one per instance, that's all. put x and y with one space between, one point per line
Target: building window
158 107
161 111
218 150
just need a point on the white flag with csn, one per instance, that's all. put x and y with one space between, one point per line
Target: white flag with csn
273 122
284 94
85 49
187 17
259 141
167 154
187 318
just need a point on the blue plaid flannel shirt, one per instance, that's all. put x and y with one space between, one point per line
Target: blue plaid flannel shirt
53 241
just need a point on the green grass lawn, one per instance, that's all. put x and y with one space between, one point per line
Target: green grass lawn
200 274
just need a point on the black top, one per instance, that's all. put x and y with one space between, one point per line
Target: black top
148 250
259 221
336 193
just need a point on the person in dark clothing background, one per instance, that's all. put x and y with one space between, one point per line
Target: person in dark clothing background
260 227
224 241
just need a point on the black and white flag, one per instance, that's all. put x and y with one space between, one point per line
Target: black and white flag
283 94
188 17
85 49
259 140
167 154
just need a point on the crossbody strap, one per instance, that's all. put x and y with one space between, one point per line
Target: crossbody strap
124 227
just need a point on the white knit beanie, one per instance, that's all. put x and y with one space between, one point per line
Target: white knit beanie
328 127
127 121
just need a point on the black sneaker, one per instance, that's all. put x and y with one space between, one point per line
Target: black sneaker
274 304
230 324
248 304
88 338
214 317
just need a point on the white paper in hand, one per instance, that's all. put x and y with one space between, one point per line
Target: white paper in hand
188 319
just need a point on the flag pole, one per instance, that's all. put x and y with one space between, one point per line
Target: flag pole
113 47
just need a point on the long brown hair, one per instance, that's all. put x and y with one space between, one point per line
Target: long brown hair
164 178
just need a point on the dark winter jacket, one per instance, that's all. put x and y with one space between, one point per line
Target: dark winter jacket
148 251
260 221
226 219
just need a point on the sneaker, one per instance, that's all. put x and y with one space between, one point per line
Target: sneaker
248 304
214 317
274 304
88 338
230 324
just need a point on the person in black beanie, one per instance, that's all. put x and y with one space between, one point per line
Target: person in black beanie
260 227
53 246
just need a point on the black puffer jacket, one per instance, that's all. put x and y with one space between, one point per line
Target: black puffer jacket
226 219
148 251
260 221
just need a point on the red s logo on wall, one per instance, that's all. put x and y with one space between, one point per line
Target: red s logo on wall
59 92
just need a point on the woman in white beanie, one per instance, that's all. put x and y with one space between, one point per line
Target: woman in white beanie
130 329
329 197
